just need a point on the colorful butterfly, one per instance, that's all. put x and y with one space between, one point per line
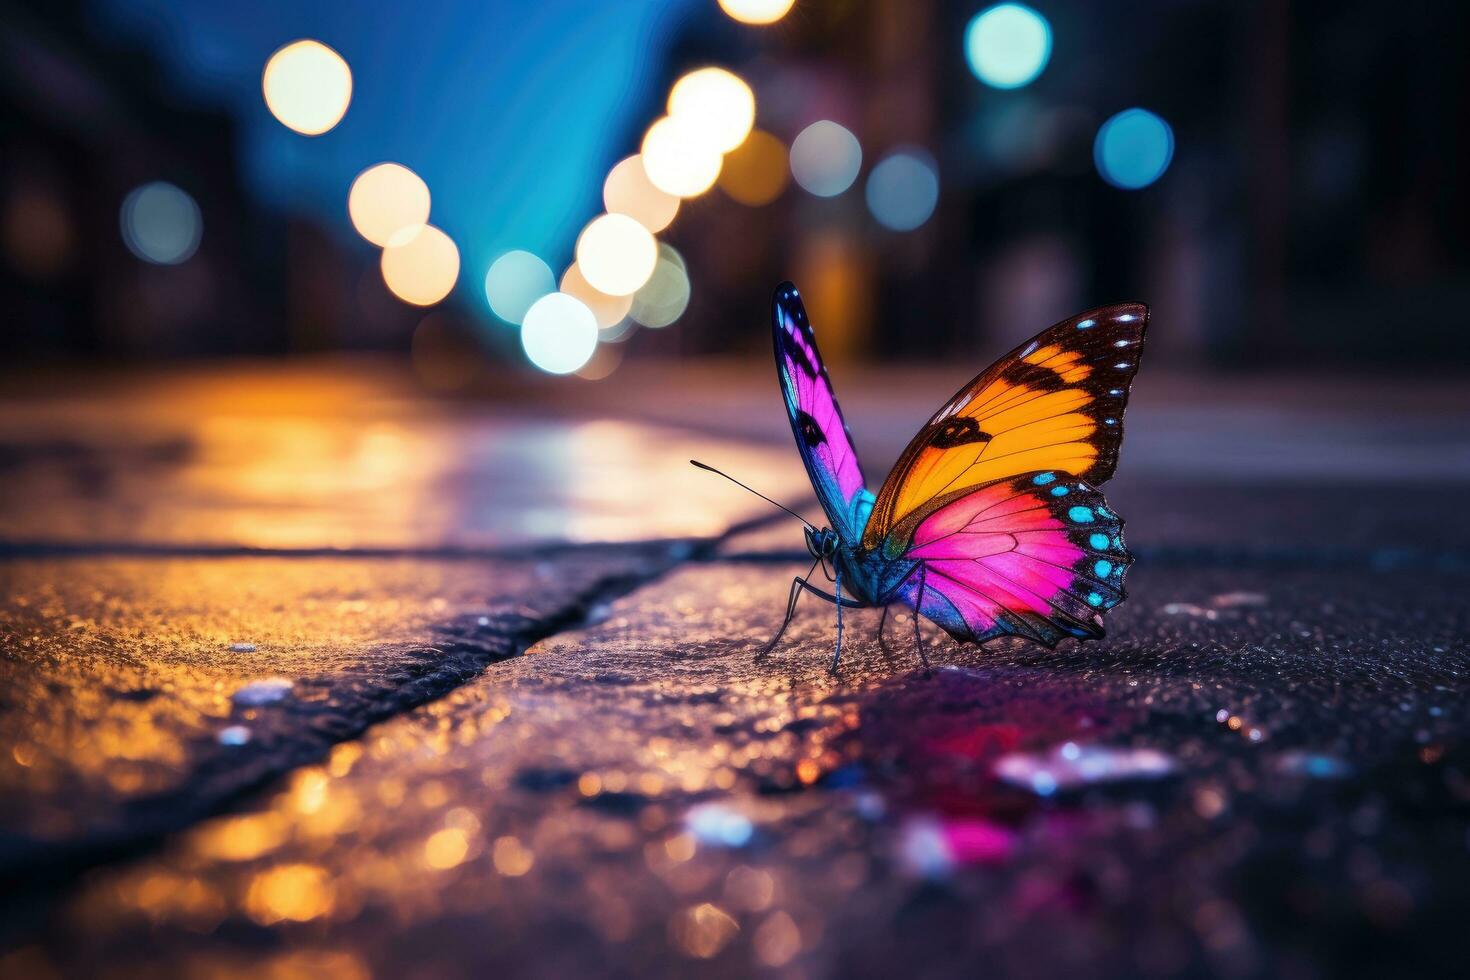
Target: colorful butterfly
990 524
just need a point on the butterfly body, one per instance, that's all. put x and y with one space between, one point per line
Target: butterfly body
990 524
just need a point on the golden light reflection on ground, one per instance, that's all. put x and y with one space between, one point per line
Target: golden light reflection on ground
446 848
642 791
634 790
482 770
289 892
152 655
332 459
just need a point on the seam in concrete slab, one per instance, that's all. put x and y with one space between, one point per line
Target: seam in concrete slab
133 549
33 872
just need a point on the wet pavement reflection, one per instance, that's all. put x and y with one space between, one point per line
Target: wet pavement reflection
642 790
426 756
268 459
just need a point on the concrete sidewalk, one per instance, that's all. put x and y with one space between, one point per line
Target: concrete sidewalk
304 672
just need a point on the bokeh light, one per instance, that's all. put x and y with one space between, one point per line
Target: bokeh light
420 265
665 296
628 190
559 333
755 172
609 310
307 86
516 280
757 11
826 158
1008 45
1133 149
616 254
161 223
679 157
604 362
385 199
619 332
715 103
903 189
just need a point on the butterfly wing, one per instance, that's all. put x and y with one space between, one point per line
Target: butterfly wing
1039 556
1053 404
821 434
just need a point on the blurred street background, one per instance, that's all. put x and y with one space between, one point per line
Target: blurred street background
1279 181
360 614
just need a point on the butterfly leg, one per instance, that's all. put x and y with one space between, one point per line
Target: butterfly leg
837 654
918 636
797 584
882 622
921 570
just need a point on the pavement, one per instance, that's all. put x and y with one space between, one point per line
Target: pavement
306 672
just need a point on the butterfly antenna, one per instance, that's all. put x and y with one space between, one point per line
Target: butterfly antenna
768 500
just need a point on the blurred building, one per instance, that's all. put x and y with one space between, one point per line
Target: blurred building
90 268
1314 211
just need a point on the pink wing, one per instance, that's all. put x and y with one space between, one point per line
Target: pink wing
816 420
1040 556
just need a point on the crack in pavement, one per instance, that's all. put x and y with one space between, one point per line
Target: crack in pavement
32 868
34 871
133 549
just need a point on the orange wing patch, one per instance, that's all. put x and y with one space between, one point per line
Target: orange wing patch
1020 429
1066 363
1055 403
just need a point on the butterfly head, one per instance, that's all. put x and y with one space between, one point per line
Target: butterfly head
823 543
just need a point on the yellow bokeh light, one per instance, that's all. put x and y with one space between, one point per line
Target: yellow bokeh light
240 838
386 199
628 190
446 848
291 892
679 157
307 86
756 172
757 11
609 310
616 254
420 265
703 930
511 857
715 103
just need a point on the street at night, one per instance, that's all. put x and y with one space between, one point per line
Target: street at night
1078 592
250 737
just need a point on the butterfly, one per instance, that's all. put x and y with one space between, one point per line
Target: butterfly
990 524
